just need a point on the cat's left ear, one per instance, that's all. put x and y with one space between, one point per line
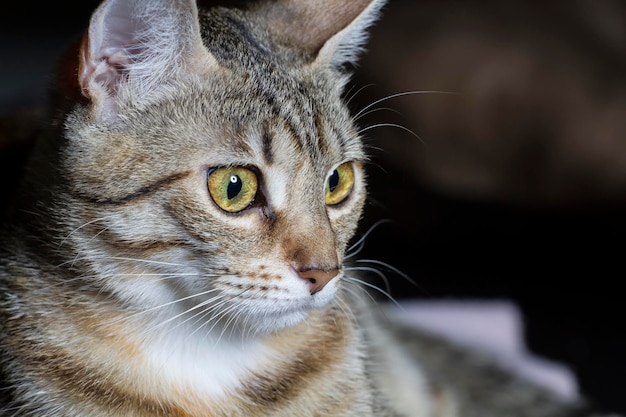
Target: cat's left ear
135 49
333 31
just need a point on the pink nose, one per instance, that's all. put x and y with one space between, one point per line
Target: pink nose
317 278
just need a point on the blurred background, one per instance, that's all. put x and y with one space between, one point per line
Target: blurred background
504 175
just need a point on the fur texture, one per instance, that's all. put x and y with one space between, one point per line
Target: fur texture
128 288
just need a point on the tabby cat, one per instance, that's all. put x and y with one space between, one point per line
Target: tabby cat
179 246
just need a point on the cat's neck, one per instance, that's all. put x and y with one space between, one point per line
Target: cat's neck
193 369
198 371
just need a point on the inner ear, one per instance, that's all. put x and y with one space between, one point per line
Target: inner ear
109 45
138 46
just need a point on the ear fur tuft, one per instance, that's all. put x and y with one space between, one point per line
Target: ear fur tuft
347 45
334 31
133 48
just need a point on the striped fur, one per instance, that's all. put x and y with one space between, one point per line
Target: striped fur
127 291
137 295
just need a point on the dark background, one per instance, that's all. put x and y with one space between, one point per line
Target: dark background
516 188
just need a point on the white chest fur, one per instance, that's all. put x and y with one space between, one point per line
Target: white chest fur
211 368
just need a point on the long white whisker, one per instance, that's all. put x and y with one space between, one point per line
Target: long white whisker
350 291
345 308
217 318
173 318
356 93
201 315
247 326
232 318
121 258
161 306
391 268
164 276
357 286
104 229
78 228
158 274
374 287
189 310
148 261
406 129
406 93
377 110
359 243
375 271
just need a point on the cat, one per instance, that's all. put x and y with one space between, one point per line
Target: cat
179 246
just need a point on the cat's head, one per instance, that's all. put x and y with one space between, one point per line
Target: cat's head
211 166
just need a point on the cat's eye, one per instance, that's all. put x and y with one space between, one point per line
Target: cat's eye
339 184
233 188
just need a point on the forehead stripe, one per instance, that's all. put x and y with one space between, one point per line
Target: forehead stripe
288 122
144 191
268 152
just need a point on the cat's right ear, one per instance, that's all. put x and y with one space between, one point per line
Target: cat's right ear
134 49
332 31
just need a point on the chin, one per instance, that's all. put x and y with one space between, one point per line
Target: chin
271 319
265 323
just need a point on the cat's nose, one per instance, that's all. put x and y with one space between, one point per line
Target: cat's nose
317 278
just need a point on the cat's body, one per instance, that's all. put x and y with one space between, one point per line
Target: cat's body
179 249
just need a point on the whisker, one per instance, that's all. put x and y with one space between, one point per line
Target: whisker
232 318
161 306
354 286
203 313
345 308
169 275
104 229
377 109
373 149
120 258
393 269
217 318
208 309
406 93
406 129
189 310
375 271
247 329
78 228
351 285
361 242
163 277
349 99
148 261
378 289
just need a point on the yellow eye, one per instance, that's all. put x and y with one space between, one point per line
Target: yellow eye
339 184
232 188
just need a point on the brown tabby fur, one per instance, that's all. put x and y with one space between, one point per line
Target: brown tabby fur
126 290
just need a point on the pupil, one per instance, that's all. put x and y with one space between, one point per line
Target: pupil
234 187
333 181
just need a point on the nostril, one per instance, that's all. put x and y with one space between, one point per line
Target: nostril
317 278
